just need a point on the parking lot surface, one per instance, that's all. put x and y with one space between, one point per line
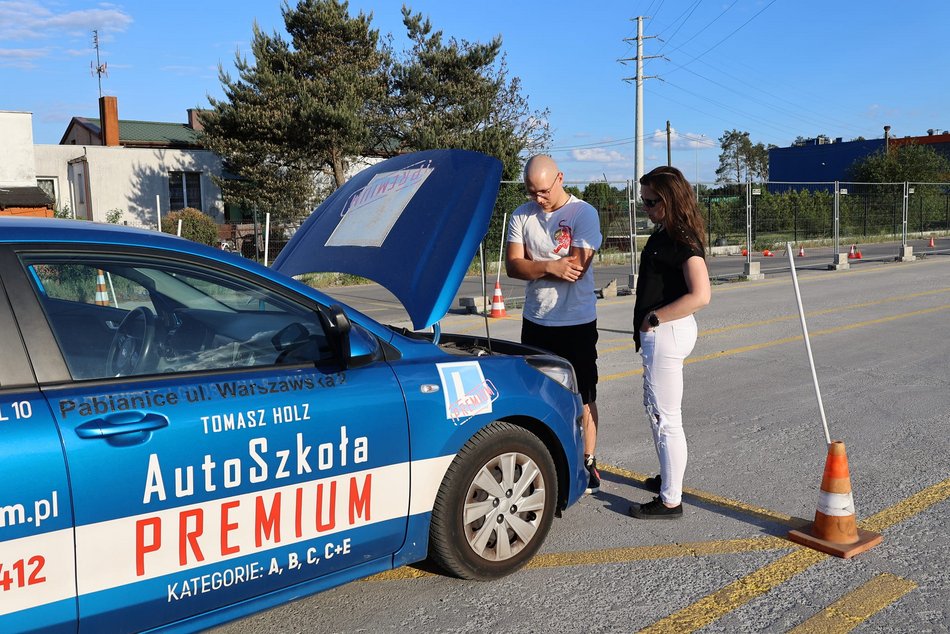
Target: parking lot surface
880 335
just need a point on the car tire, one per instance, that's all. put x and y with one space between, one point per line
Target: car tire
495 505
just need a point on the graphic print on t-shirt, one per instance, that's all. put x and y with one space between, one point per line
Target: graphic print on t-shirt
562 237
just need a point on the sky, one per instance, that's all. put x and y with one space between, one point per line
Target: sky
778 69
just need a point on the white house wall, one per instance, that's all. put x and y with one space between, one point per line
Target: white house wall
126 179
16 144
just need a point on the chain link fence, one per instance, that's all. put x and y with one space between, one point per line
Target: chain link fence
739 216
767 214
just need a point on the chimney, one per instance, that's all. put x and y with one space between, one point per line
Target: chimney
194 119
887 138
109 120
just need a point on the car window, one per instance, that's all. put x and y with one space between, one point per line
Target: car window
87 285
126 315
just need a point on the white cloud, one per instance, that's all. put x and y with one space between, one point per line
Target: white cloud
32 20
21 57
597 155
680 141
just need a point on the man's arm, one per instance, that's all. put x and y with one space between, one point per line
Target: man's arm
585 257
519 266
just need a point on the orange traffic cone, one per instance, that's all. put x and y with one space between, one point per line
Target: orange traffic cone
768 254
801 251
745 252
102 295
932 245
498 303
852 254
835 530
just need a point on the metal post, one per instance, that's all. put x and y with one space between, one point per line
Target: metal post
748 220
837 214
904 214
906 252
631 207
266 237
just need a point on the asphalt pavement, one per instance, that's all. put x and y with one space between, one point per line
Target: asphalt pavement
880 338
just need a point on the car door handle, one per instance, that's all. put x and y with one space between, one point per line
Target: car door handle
105 427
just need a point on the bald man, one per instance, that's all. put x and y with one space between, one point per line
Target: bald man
551 244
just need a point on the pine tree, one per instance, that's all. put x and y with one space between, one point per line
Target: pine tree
298 107
457 94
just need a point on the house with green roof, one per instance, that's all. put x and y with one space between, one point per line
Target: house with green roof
130 170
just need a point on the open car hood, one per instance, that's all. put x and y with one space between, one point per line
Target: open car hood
411 223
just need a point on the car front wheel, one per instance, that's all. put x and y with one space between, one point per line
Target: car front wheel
495 505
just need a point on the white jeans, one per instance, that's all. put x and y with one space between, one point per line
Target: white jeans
663 350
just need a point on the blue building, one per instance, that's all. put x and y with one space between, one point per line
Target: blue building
823 160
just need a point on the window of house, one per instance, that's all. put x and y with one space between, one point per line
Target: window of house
184 190
48 185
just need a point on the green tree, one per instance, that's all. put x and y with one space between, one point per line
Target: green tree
457 94
195 226
298 107
912 162
740 159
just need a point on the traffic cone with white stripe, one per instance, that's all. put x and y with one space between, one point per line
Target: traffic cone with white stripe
835 530
497 303
102 295
801 251
932 244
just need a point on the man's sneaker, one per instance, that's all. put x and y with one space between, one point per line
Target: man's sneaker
593 476
656 510
653 484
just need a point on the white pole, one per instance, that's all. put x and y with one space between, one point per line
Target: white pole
115 300
266 236
158 211
811 360
501 249
179 227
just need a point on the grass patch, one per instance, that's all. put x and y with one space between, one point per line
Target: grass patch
331 280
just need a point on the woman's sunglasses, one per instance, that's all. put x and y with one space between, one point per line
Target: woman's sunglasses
650 202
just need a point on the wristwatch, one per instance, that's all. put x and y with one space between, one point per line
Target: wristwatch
653 320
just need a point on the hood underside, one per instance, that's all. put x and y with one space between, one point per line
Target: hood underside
411 223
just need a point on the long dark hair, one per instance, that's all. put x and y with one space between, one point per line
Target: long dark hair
683 220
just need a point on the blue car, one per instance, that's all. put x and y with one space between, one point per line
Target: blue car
187 437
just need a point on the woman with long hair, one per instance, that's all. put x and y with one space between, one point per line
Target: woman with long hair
673 284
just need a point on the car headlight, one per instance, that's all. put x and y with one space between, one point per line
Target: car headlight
555 368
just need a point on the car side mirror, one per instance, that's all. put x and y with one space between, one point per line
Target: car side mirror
354 346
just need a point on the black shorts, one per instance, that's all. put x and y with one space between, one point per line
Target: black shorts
577 344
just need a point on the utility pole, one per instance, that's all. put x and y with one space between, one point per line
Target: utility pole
638 141
669 148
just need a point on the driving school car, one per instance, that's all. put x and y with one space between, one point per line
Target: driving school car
187 437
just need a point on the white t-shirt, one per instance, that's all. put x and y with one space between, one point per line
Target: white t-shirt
550 236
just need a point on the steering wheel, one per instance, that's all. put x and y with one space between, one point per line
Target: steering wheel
132 350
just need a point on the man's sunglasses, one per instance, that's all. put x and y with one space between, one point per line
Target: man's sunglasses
650 202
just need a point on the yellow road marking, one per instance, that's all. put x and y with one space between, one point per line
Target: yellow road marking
907 508
825 311
623 555
857 606
784 340
720 603
738 593
784 318
664 551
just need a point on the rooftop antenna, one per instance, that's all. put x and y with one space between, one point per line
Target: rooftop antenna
98 68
